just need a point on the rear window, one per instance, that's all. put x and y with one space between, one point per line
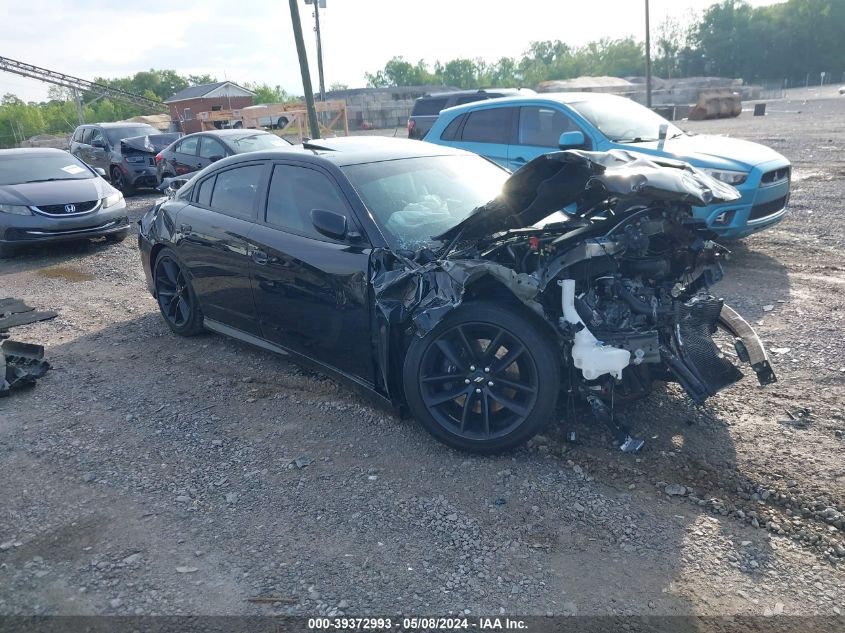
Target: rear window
429 106
488 126
235 190
451 131
118 133
255 142
19 168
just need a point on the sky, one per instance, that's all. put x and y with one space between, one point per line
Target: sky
252 40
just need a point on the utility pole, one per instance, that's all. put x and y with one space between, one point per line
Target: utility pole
647 58
319 48
303 68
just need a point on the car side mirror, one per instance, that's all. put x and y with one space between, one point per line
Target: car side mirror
571 140
98 143
329 223
215 158
100 171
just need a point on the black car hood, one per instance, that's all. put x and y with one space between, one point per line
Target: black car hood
152 143
553 181
55 192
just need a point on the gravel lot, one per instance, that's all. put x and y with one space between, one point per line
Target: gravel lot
147 474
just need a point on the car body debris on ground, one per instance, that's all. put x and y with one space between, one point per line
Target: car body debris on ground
21 364
148 474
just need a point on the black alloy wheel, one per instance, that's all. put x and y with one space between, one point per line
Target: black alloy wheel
486 379
176 298
120 182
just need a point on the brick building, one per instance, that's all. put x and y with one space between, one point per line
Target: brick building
223 95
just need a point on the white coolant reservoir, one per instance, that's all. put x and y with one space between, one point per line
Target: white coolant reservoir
588 354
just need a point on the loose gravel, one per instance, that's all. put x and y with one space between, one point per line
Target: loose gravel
148 474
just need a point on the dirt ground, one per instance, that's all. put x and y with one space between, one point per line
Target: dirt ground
148 474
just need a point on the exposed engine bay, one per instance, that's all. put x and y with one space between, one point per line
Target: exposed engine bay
622 280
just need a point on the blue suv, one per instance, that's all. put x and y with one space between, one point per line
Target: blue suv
513 130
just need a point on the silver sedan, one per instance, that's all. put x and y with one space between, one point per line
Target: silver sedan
47 195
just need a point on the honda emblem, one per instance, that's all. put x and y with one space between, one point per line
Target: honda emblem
70 208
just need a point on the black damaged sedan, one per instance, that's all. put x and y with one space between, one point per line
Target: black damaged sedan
452 289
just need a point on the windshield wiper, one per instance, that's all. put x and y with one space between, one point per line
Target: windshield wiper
638 139
26 182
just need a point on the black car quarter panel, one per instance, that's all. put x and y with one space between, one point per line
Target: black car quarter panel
311 293
215 250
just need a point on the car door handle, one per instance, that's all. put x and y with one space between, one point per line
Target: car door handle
185 228
519 160
260 257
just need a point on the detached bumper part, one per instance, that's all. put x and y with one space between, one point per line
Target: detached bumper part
21 364
756 354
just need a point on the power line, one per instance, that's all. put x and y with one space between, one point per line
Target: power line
75 83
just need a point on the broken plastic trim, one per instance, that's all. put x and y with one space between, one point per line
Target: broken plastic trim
758 358
21 364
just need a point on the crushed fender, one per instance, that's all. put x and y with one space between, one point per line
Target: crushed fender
425 293
21 364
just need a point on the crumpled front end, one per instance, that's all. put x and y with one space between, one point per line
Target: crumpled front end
623 287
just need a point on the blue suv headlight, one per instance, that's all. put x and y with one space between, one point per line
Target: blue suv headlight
730 177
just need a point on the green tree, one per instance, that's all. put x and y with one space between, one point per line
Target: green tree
398 72
264 93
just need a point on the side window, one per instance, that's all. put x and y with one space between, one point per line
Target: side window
188 146
77 135
492 125
204 192
294 192
86 135
543 126
187 115
451 131
209 148
97 135
235 191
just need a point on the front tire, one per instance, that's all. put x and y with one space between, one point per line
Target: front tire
485 380
175 295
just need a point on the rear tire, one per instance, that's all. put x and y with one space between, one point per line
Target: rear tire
119 181
485 380
175 295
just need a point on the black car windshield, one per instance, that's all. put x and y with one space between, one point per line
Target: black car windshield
18 168
116 134
413 199
624 121
255 142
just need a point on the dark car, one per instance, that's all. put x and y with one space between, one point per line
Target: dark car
48 195
427 108
417 273
197 151
125 151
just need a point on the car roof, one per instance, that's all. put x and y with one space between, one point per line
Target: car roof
31 151
243 131
114 124
480 91
355 150
557 97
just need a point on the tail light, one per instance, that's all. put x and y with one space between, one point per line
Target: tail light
159 158
411 125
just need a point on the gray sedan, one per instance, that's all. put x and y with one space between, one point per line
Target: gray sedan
48 195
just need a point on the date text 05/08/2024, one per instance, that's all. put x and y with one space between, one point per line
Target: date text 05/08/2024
417 624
